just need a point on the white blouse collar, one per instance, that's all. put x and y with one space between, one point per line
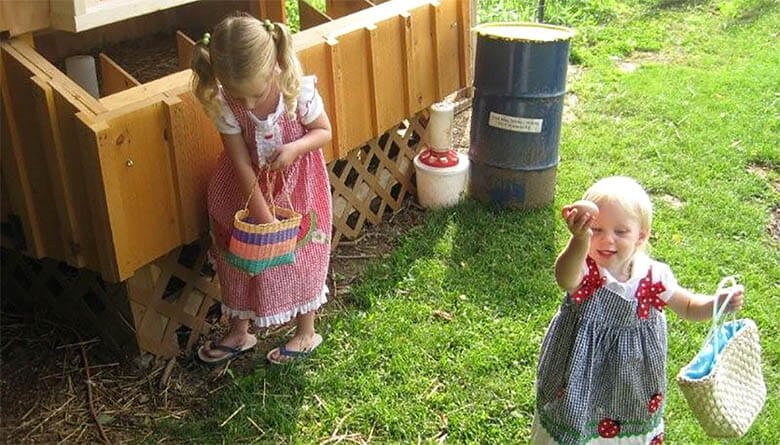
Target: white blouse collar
638 270
271 118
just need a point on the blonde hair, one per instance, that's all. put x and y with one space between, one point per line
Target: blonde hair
239 49
629 195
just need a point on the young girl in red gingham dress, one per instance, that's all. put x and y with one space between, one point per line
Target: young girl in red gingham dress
270 117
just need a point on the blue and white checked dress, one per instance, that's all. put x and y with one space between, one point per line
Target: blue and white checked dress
602 370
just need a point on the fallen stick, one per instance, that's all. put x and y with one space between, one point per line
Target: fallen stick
231 416
89 397
81 343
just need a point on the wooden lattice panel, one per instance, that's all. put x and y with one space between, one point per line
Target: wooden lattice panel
372 178
172 298
79 296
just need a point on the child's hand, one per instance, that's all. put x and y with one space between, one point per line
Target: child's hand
735 304
283 157
579 217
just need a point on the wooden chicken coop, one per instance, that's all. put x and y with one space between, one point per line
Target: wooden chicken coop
103 198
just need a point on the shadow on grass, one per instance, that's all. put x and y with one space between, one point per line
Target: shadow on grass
753 13
491 268
493 251
676 4
492 271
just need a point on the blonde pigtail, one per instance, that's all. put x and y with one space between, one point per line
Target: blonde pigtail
204 82
291 72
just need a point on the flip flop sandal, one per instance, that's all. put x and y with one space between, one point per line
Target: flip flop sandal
231 352
293 355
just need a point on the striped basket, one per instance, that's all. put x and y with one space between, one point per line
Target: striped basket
728 398
255 247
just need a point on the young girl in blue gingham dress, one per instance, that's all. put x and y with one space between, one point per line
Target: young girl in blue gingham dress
602 370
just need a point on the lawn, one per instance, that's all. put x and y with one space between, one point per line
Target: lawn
682 95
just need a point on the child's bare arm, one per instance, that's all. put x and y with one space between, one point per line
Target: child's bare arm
568 265
697 307
318 134
242 164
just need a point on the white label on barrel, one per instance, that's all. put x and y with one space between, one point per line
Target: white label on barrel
512 123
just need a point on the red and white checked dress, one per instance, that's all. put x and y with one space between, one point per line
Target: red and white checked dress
279 293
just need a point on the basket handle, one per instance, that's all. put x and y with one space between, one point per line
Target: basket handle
729 283
268 189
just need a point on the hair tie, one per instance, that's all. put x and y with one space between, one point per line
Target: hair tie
206 39
269 26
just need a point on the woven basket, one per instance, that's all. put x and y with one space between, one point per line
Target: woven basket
727 400
255 247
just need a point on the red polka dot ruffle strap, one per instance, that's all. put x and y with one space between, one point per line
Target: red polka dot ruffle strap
592 281
647 295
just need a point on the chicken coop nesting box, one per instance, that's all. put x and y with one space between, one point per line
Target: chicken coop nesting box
103 199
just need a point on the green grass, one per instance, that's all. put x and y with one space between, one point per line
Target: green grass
688 123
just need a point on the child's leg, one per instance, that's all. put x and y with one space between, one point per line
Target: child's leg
305 328
305 338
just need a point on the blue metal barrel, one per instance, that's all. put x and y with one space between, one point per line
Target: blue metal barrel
519 84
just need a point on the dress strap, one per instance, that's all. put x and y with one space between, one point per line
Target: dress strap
592 281
647 295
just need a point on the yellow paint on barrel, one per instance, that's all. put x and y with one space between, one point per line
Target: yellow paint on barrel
524 32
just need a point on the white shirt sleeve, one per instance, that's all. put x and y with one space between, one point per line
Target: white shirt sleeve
663 273
225 121
310 105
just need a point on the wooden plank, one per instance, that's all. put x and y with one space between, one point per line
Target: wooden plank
424 83
48 124
464 42
19 17
138 185
353 91
357 20
408 63
184 48
435 13
196 145
336 92
72 180
92 137
448 32
114 103
341 8
373 62
5 141
27 168
310 16
114 78
315 61
388 56
11 191
273 10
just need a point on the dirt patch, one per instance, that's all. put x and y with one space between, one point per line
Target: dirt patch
774 224
44 385
628 67
771 174
570 102
768 173
673 201
639 58
461 130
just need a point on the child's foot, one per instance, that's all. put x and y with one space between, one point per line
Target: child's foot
300 346
222 348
